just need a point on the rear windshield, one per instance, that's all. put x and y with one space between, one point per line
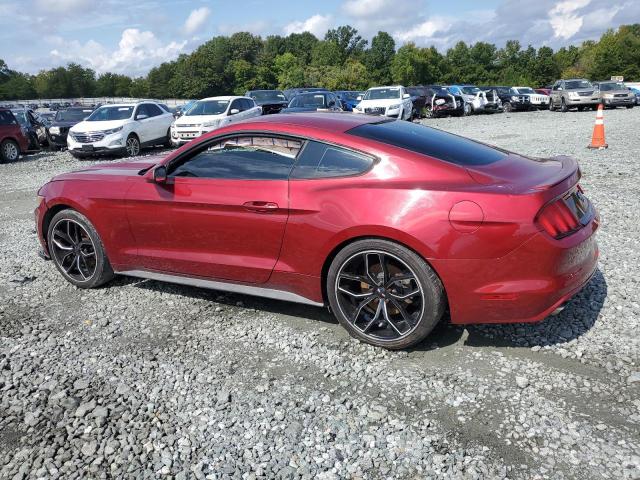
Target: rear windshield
429 141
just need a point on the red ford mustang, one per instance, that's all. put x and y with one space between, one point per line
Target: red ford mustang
385 221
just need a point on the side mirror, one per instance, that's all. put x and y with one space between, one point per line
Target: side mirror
160 174
406 95
142 116
359 98
234 111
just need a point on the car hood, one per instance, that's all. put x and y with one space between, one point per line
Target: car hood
127 168
303 109
61 123
380 103
85 126
198 119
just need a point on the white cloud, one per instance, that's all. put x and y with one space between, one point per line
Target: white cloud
317 24
196 20
426 30
564 18
137 52
368 8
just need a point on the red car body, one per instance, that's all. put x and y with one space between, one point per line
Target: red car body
543 91
488 231
10 130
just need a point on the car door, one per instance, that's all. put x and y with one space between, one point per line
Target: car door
143 126
555 92
222 212
235 105
157 123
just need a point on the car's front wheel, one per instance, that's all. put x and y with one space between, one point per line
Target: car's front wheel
507 107
467 109
9 151
563 106
132 146
384 294
77 251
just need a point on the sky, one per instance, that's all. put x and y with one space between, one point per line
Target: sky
132 36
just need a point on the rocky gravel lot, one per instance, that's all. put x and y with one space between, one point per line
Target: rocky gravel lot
149 380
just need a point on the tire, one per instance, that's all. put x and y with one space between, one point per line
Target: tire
375 308
552 108
563 106
132 146
9 151
581 109
629 107
168 143
467 110
507 107
429 113
77 251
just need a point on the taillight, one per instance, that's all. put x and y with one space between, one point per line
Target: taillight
557 219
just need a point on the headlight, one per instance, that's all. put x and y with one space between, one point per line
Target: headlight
211 123
574 95
112 130
440 101
394 107
514 98
55 130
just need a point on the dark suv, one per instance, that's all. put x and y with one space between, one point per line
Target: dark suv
511 99
12 139
32 126
65 119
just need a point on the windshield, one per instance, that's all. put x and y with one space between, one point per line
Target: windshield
612 86
525 90
104 114
306 100
21 116
439 90
207 107
382 93
470 90
72 115
266 95
574 84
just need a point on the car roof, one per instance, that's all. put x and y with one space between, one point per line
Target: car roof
223 97
386 86
329 122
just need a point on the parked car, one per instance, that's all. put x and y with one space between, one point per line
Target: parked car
481 101
32 126
180 109
393 224
58 131
47 117
543 90
441 101
320 101
573 93
120 129
537 100
419 100
636 92
348 98
13 141
510 99
615 94
292 92
391 101
212 113
271 101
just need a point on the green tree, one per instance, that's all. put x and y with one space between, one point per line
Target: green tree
289 71
349 42
379 57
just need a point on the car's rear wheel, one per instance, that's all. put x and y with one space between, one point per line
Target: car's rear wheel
132 146
9 151
384 294
629 106
77 251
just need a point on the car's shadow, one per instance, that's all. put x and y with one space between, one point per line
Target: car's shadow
575 320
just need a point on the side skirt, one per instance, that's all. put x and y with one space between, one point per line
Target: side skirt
223 286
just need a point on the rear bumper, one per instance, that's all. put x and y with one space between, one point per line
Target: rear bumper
524 286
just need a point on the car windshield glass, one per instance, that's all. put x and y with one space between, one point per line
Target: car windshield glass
525 90
440 90
573 84
72 115
612 86
267 95
316 100
21 116
382 93
429 141
208 107
349 95
470 90
104 114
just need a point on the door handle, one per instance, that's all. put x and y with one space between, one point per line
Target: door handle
259 206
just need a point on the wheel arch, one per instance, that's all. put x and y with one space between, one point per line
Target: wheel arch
346 242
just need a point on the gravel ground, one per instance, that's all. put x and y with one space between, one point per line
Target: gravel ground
145 379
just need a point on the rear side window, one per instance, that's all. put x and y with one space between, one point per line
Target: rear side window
153 110
429 141
7 118
319 160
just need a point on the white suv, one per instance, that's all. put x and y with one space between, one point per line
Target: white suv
211 113
121 129
392 102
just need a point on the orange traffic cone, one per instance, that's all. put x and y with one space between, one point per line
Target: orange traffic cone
597 141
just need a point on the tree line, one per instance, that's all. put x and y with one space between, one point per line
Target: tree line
342 60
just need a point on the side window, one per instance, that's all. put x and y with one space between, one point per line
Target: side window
319 160
7 118
241 158
141 110
236 104
250 103
153 110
